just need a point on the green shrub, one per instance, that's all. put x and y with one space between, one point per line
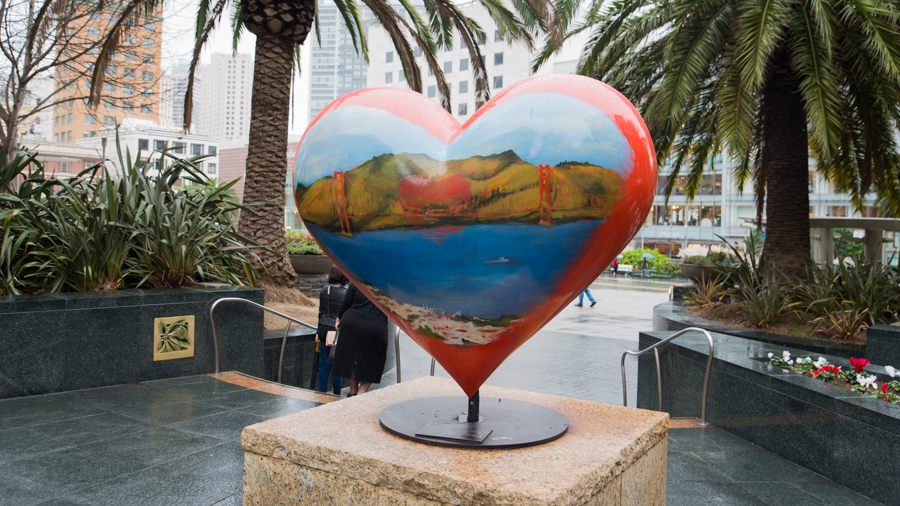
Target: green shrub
301 243
98 232
659 262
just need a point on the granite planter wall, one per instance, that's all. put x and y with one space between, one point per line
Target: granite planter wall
54 343
673 315
883 344
842 435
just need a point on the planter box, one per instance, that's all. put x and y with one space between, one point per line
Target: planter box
843 435
71 341
675 316
698 273
310 264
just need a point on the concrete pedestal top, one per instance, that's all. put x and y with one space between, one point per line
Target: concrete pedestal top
339 454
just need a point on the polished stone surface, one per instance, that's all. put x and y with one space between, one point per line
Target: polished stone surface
604 444
74 341
828 430
883 344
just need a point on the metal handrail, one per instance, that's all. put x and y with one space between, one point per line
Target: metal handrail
290 319
659 374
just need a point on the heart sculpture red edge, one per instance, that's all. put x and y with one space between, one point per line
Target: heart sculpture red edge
470 366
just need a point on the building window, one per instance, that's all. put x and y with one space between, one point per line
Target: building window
159 145
432 91
109 121
417 51
481 40
498 82
478 104
146 109
128 73
128 107
112 70
146 92
71 118
498 36
146 76
464 86
147 59
150 27
448 67
401 77
109 104
388 77
95 16
463 64
87 84
93 32
69 136
463 109
128 90
130 56
143 144
87 135
147 43
178 147
498 58
196 149
389 57
210 168
211 150
109 87
90 119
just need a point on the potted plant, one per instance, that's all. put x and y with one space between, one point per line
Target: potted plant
306 255
698 262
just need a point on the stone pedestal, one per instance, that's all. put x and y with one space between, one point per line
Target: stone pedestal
339 454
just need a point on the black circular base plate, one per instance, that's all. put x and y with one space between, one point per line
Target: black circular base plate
504 423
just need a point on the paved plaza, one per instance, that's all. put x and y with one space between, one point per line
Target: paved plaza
176 442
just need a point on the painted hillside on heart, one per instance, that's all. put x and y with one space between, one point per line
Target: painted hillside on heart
404 191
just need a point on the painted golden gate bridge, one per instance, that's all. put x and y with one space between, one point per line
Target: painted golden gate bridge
548 191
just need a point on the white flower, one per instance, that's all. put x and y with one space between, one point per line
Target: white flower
866 381
786 355
771 354
821 362
791 362
890 370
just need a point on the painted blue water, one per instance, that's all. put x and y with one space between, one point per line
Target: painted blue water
481 270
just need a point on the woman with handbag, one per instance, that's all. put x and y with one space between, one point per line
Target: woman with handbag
330 299
362 350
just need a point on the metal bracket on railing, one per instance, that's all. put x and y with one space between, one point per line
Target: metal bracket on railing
290 320
659 374
397 349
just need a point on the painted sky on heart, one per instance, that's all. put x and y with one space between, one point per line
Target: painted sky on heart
542 128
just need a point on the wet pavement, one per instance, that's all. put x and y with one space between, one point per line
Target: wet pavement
176 442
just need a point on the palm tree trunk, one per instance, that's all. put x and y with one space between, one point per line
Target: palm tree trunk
267 157
786 166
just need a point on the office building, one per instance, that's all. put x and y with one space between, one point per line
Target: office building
130 87
336 68
225 95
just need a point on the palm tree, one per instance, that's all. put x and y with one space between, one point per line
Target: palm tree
280 29
770 81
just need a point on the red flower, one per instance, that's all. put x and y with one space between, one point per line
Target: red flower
884 387
859 363
816 372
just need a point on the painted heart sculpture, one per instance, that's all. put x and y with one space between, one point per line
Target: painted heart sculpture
472 237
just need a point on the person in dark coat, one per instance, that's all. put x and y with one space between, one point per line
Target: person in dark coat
362 343
330 299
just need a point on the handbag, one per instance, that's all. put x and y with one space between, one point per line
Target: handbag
334 343
329 338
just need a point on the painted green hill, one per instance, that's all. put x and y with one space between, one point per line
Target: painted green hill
504 188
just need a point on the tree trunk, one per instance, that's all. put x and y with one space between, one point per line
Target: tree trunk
786 166
267 157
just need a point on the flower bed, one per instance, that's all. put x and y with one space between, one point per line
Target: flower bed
856 380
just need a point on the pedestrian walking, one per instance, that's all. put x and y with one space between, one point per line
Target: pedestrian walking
330 299
362 344
615 267
589 296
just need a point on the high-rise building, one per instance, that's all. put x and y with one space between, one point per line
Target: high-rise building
166 100
506 63
178 74
336 68
227 86
130 87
